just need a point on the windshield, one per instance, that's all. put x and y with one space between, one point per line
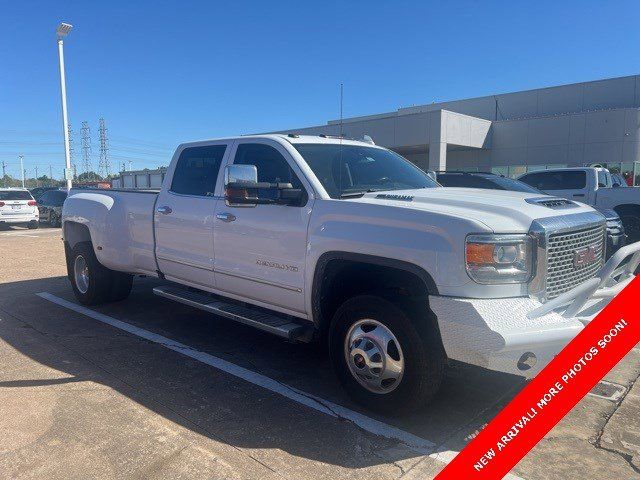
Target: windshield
344 170
15 195
511 184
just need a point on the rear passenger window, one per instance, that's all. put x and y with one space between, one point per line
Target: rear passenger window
566 180
197 170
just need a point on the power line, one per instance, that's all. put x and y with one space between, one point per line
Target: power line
86 147
103 167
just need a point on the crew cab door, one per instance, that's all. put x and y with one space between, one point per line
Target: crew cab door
571 184
260 250
184 216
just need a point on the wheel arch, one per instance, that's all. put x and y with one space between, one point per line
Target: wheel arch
341 275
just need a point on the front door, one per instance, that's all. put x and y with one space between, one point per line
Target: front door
261 249
184 216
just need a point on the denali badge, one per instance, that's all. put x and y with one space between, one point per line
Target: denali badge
265 263
584 256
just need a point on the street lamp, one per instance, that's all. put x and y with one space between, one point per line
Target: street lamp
62 31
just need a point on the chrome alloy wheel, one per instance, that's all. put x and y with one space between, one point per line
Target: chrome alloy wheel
374 356
81 274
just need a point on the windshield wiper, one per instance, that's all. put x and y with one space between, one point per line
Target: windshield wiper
358 194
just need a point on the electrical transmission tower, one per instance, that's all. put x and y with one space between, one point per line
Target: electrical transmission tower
72 152
86 147
104 149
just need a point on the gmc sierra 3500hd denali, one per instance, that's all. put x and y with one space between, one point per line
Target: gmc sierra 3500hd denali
324 238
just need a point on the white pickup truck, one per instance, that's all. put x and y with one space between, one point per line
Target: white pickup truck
594 186
317 238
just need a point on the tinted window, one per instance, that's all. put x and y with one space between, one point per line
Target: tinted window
467 181
55 199
272 166
15 195
505 183
602 178
565 180
197 170
344 169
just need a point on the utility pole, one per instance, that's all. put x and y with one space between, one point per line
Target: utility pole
22 168
86 147
4 173
36 175
62 31
50 175
104 148
130 163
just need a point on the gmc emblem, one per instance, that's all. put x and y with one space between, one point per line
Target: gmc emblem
584 256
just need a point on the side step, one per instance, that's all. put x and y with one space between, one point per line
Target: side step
280 325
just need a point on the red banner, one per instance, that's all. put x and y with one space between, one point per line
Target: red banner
552 393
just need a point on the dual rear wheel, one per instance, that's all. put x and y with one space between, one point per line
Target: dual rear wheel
92 282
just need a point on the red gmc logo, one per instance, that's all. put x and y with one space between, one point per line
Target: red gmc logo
584 256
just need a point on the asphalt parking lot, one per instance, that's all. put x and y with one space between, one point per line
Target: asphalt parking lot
147 388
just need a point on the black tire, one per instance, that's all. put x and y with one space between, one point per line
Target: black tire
421 348
100 279
121 284
631 225
33 225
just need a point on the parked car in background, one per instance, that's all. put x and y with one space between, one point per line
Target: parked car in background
37 192
50 207
593 186
17 207
616 236
341 241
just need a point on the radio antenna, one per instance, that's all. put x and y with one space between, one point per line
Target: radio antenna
341 103
340 159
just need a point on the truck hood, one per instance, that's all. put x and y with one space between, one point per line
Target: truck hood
500 210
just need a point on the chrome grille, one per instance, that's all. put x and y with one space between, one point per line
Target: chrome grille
562 275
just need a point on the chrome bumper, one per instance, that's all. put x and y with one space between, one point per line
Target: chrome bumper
521 335
586 300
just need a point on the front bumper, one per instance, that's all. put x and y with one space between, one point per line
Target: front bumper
521 335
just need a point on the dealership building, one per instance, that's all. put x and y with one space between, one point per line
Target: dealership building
580 124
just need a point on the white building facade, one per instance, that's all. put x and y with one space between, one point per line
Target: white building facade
580 124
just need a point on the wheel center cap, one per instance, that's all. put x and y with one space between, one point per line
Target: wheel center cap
359 360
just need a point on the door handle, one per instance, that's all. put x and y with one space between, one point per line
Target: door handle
165 210
578 194
226 217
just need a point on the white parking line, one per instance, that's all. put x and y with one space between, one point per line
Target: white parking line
376 427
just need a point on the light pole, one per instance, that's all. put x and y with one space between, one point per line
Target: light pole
22 168
62 31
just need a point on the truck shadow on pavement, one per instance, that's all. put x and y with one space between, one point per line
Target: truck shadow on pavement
210 402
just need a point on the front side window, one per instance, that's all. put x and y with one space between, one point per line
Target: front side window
352 169
197 170
272 166
565 180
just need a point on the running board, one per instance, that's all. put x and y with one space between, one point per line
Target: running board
280 325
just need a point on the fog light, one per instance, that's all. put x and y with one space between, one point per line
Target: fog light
527 361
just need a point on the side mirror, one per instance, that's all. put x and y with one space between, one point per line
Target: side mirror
241 188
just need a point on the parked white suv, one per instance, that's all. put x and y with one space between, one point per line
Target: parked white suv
316 238
17 207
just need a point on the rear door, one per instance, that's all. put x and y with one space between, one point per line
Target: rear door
184 216
570 184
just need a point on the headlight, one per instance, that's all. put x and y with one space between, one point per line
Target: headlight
496 259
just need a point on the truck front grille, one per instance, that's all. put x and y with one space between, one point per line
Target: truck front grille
563 273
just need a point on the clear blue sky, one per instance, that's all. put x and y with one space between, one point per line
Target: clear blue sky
165 72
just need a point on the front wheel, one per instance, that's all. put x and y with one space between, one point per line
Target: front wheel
386 357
